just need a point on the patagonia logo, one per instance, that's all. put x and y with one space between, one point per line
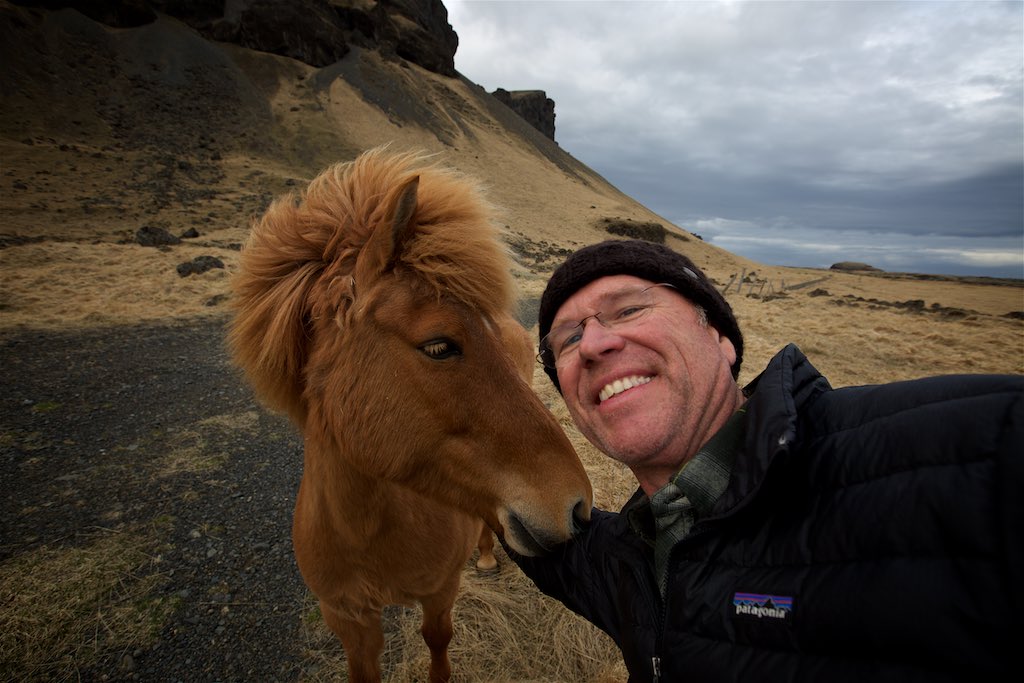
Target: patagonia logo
762 606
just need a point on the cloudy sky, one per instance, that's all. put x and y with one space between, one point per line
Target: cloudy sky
794 133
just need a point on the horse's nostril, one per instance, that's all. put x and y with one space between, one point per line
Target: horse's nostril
580 516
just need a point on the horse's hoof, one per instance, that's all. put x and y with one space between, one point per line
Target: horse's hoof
486 568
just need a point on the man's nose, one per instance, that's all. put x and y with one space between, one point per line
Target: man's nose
597 338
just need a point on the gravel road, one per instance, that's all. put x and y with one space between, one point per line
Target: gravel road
149 427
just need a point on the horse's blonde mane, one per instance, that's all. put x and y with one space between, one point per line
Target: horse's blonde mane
305 243
457 249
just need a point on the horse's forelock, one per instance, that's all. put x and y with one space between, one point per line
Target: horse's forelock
456 249
487 287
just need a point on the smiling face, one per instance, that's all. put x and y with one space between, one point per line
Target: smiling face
649 394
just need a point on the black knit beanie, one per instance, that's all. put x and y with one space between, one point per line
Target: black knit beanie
647 260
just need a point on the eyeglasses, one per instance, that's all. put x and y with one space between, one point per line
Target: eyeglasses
624 308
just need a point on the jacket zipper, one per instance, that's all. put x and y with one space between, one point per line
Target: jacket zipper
660 625
656 659
662 620
698 530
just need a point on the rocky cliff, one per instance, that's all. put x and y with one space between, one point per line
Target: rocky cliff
317 32
534 106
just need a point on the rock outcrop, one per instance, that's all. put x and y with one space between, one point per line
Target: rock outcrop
854 266
534 106
418 31
317 32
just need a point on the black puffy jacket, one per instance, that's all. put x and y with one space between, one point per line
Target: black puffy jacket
867 534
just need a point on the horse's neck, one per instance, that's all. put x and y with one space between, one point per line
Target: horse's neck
353 505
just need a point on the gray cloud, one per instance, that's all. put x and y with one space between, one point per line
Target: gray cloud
895 118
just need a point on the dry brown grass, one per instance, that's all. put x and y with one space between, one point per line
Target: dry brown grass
190 450
504 631
864 343
62 608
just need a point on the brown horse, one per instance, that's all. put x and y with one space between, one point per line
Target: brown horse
375 311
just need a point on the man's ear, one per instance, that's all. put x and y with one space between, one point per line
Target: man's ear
725 345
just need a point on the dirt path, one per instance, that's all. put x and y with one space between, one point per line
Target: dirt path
147 432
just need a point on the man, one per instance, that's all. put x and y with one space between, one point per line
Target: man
786 531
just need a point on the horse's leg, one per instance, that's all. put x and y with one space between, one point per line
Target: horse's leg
437 629
487 562
363 643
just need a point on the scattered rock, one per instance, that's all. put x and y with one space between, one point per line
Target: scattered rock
915 305
189 234
910 306
652 232
537 255
200 264
819 292
152 236
18 240
855 266
127 663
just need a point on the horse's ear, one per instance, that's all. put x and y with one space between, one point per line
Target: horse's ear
385 244
402 226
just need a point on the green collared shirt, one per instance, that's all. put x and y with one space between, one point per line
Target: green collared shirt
693 492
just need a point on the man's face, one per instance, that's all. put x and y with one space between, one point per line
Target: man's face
666 381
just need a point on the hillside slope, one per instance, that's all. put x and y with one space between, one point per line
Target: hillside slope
108 131
104 131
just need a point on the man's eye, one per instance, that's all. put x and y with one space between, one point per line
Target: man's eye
439 349
630 312
573 338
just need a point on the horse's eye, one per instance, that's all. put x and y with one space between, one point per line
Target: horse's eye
439 349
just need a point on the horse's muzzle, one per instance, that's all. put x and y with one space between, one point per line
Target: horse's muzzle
580 517
531 539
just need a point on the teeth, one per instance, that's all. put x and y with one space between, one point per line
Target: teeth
620 385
